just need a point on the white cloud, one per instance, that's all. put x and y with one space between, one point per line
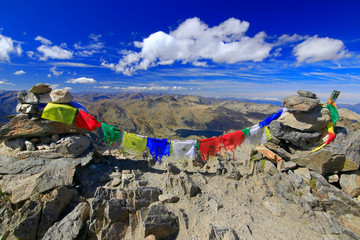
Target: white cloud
68 88
19 72
285 38
81 80
73 64
192 42
5 82
94 47
43 40
54 52
315 49
7 47
55 72
54 86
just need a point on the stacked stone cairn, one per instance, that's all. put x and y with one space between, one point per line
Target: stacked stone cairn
302 128
27 131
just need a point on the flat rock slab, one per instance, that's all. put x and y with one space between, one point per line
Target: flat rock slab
300 104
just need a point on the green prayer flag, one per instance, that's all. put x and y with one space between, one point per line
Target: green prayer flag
111 134
246 132
333 113
59 113
197 145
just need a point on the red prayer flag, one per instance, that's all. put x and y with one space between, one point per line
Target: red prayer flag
86 121
209 146
232 140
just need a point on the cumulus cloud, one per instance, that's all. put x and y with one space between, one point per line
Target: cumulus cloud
81 80
19 72
195 42
7 47
315 49
54 52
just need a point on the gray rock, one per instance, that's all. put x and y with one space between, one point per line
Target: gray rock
307 121
40 88
274 208
214 205
44 98
184 218
160 222
233 174
172 168
26 108
26 220
30 146
304 173
45 139
146 195
168 198
116 211
334 178
116 231
300 104
61 96
73 146
270 168
71 226
302 140
16 144
330 223
283 166
192 189
216 233
53 207
27 97
350 183
295 179
307 94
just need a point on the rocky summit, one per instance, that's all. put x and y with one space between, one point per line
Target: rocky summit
56 183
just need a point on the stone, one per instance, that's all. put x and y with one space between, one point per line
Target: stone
71 226
116 211
304 173
270 168
168 198
216 233
73 146
306 94
26 220
144 196
233 174
350 183
306 121
330 223
61 96
300 104
184 218
351 222
214 205
22 127
30 146
45 139
16 144
299 139
116 231
160 222
283 166
172 169
53 206
274 208
268 154
192 189
27 97
334 178
295 179
44 98
42 146
40 88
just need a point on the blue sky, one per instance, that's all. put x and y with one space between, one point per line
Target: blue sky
245 49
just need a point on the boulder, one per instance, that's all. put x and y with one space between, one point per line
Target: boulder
160 222
350 183
268 154
116 231
116 211
168 198
61 96
144 196
306 94
315 120
270 168
22 126
300 104
71 226
27 97
26 220
54 204
301 140
40 88
73 146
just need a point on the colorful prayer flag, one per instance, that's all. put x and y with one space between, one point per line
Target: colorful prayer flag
59 113
209 147
134 142
183 149
111 134
86 121
158 147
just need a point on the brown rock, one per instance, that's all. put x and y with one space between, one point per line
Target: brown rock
350 183
40 88
269 154
22 126
300 104
351 222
